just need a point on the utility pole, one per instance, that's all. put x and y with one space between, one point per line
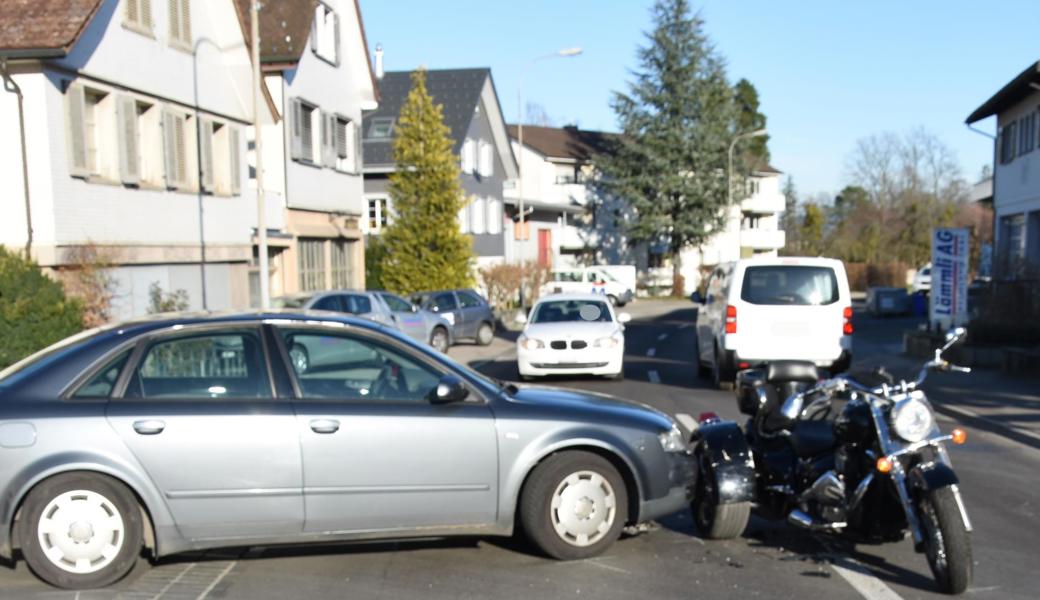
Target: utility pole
261 217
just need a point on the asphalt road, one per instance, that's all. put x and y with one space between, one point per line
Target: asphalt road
771 560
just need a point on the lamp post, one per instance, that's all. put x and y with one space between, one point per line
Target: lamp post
729 171
261 217
563 53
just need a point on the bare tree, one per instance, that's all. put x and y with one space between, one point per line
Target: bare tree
535 114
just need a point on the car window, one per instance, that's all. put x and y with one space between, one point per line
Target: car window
563 311
397 303
346 367
469 300
329 303
102 383
789 285
211 365
444 302
357 304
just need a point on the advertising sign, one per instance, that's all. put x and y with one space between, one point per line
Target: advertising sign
949 295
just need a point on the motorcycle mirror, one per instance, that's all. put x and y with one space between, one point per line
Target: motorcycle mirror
955 336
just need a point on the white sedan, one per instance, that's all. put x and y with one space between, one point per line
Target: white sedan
572 334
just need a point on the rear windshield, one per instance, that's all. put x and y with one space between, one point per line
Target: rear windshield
789 285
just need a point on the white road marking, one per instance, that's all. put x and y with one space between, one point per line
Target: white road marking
654 377
967 412
651 351
686 421
662 337
174 581
685 325
862 580
214 583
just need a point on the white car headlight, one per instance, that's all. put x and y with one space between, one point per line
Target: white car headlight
612 341
530 343
673 440
912 419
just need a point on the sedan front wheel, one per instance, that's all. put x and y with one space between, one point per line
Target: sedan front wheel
574 505
80 530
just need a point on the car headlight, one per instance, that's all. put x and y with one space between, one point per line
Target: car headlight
530 343
912 419
673 440
612 341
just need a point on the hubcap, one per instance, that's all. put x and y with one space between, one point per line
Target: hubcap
81 531
583 508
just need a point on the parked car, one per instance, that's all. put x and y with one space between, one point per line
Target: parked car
198 431
570 334
586 280
762 309
923 279
381 307
468 312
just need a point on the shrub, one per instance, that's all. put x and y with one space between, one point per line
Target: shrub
87 277
502 282
164 302
867 275
34 311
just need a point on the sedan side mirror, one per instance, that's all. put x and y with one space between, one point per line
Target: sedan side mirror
449 389
696 298
624 317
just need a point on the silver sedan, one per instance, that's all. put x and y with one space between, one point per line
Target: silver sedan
200 431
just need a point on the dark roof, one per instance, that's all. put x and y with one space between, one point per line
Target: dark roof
285 27
1009 95
43 27
456 90
566 142
766 168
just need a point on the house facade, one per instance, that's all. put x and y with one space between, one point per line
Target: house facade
134 136
1016 175
319 80
479 138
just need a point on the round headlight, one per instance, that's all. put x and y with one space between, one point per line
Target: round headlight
912 419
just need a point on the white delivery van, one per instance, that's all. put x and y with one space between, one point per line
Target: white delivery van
589 280
761 309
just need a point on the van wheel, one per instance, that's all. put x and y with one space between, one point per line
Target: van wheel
80 530
721 375
485 334
613 300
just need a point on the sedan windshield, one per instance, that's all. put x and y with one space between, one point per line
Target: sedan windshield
563 311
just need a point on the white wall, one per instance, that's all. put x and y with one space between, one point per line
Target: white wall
1017 184
38 129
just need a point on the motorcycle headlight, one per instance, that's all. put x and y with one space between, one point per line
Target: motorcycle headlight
673 440
608 342
530 343
912 419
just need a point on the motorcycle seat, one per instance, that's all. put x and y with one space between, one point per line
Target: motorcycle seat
791 371
810 438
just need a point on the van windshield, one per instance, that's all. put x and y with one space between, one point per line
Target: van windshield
790 285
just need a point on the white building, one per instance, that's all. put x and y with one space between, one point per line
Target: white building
319 79
1016 174
134 137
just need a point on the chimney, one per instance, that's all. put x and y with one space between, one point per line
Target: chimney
379 62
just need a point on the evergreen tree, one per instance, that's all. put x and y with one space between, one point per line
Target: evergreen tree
811 233
677 121
754 151
423 247
789 219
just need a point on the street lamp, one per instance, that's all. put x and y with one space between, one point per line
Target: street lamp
261 217
562 53
729 167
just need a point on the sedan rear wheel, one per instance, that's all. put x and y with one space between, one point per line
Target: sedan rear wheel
80 530
574 505
485 334
439 339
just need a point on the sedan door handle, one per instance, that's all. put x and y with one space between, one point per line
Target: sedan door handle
324 425
149 426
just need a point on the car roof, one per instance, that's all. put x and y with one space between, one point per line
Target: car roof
584 296
818 261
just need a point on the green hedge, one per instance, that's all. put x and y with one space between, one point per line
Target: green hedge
34 312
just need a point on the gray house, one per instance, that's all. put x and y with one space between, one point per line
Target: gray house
474 116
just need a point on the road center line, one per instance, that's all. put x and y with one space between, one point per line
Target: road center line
654 377
861 579
662 337
651 352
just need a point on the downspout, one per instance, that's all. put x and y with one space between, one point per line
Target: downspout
993 266
12 87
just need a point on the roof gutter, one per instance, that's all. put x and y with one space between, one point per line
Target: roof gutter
32 53
12 87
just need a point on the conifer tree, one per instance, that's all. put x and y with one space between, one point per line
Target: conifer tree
424 249
677 121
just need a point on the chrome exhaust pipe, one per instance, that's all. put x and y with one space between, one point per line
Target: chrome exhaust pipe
800 519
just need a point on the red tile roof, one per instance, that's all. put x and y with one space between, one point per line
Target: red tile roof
43 27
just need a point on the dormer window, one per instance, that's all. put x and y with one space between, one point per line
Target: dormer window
325 33
381 128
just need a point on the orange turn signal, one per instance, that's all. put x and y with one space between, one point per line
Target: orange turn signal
959 436
884 464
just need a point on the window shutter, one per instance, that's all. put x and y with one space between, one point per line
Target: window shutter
186 21
358 146
315 26
295 129
129 152
205 130
174 151
235 145
342 131
75 104
133 15
145 8
336 26
175 19
328 139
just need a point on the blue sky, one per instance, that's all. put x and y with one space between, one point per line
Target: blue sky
828 73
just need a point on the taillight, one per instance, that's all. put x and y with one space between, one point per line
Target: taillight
731 319
846 327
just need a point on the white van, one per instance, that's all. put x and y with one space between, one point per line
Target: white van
588 280
761 309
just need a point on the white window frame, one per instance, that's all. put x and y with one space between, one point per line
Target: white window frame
494 211
306 142
468 156
485 159
325 36
378 213
478 216
345 144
